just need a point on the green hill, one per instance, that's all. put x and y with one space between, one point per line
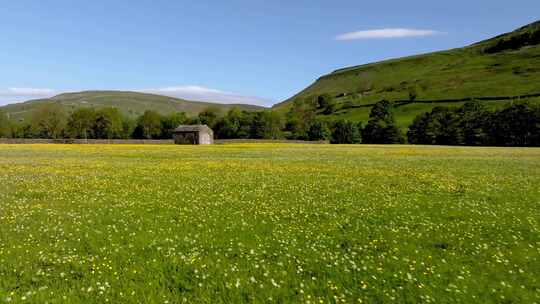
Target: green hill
131 104
504 66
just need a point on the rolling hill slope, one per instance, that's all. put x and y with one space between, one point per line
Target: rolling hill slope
129 103
507 65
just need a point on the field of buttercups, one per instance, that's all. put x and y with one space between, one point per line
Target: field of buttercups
269 223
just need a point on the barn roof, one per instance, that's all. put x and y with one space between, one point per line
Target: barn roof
193 128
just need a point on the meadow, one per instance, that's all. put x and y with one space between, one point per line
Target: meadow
269 223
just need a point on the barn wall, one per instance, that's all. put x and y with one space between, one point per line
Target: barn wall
187 138
205 139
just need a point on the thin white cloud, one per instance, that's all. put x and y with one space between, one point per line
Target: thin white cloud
386 34
11 95
199 93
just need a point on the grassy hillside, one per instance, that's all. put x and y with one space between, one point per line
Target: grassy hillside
130 103
507 65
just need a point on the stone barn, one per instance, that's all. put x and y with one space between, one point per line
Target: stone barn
193 135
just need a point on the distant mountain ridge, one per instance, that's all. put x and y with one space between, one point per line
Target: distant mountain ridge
131 104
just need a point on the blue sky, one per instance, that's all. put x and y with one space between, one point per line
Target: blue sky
228 51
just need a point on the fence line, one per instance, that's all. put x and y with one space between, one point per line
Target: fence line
143 141
268 141
400 102
86 141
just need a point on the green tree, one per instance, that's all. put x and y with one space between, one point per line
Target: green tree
149 125
418 132
171 122
319 131
229 125
345 132
327 104
22 130
267 125
445 126
4 125
300 116
466 125
194 120
128 127
441 126
49 120
108 123
209 116
324 100
274 125
246 122
381 127
81 122
515 125
473 123
331 108
258 125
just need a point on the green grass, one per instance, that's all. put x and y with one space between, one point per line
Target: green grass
453 74
269 223
131 104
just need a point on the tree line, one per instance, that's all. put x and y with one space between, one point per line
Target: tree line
471 124
301 123
51 120
474 125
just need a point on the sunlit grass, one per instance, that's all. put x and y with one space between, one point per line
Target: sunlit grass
269 223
